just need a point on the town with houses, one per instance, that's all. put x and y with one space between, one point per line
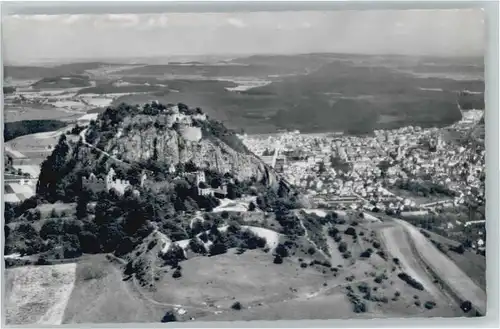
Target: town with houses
344 172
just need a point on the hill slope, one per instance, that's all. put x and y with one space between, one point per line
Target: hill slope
152 138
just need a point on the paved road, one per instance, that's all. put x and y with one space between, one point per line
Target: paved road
396 243
446 269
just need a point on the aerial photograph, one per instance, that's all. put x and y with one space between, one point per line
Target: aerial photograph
238 166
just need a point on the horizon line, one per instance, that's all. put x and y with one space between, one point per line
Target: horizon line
112 59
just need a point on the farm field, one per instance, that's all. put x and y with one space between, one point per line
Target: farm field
38 294
16 113
39 142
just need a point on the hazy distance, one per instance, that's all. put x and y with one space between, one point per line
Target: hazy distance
32 38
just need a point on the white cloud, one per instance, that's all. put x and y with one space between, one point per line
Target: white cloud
163 20
70 19
157 21
125 20
236 22
43 18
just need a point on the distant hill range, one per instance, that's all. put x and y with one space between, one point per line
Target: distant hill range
309 92
19 72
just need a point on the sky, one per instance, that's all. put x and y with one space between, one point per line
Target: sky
28 38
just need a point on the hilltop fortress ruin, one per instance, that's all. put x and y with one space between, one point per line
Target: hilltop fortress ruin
99 185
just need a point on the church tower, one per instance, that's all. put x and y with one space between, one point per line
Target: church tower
200 177
439 144
109 178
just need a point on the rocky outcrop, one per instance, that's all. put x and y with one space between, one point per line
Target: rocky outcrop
170 146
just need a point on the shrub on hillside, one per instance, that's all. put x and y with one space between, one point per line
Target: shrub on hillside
411 281
364 287
204 237
250 240
333 231
466 306
458 249
359 307
174 255
380 278
33 215
71 246
382 254
311 251
351 231
278 259
169 317
367 253
317 262
217 248
51 227
281 250
347 255
342 247
236 306
429 305
89 242
42 261
177 274
197 246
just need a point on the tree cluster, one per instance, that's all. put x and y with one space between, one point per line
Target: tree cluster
410 281
26 127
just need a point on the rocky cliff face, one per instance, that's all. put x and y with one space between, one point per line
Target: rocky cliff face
169 146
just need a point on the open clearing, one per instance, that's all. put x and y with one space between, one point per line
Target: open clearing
231 206
250 278
324 307
38 294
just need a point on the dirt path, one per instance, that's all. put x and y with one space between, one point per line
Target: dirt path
137 290
327 289
306 235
